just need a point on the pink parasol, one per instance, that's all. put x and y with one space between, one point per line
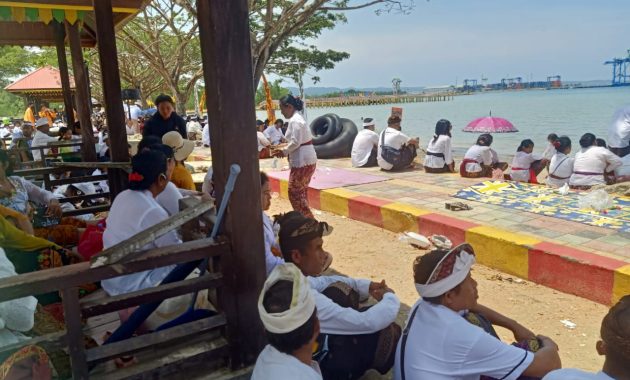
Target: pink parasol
490 124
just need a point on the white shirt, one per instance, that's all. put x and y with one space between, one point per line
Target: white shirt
393 138
298 133
205 135
549 151
40 139
594 159
561 165
623 172
262 141
481 154
442 345
169 198
275 365
362 147
574 374
269 233
103 185
334 319
274 134
521 161
193 127
135 111
131 213
619 129
441 145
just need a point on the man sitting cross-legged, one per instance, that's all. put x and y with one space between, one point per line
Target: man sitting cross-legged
287 310
445 338
353 339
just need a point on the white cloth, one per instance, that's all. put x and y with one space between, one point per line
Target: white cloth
131 213
103 186
194 127
298 133
263 142
623 172
15 315
208 186
4 132
461 268
275 365
40 139
269 233
521 161
334 319
481 154
393 138
441 145
442 345
274 134
619 129
205 135
574 374
561 165
594 159
549 151
169 198
362 147
34 194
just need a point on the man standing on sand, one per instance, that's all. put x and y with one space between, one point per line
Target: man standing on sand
29 115
619 132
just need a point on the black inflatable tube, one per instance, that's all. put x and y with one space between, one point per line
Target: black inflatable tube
342 145
325 128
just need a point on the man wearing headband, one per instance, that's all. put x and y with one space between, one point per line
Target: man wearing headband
287 310
353 339
614 345
440 344
365 146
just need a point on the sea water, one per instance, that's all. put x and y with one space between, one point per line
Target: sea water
535 113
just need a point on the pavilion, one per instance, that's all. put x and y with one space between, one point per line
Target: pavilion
41 86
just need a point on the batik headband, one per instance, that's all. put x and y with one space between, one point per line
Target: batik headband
449 272
368 123
302 303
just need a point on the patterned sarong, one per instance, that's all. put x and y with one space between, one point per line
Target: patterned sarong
299 179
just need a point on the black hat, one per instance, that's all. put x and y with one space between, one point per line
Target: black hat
163 98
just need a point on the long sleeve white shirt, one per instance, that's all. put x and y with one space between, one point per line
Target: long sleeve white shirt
274 134
334 319
619 129
594 159
441 145
263 142
298 134
271 260
40 139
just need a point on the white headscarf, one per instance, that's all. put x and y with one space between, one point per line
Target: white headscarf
302 302
450 272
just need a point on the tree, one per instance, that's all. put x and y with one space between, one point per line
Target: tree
277 91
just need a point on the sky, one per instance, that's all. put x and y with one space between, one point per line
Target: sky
444 41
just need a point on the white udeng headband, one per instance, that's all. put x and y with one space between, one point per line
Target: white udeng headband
463 263
368 124
302 304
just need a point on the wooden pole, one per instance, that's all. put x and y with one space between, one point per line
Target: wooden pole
82 96
107 53
60 36
227 64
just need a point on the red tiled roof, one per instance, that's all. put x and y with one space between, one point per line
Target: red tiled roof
44 78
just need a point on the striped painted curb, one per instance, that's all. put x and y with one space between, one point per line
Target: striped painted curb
591 276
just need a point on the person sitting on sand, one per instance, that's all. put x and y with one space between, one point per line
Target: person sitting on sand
353 339
592 164
526 164
439 158
287 309
450 336
182 148
480 160
396 150
365 146
561 165
274 132
264 145
614 345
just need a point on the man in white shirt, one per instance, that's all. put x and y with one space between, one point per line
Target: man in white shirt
365 146
287 310
263 143
353 339
441 342
274 132
41 138
396 150
614 345
619 132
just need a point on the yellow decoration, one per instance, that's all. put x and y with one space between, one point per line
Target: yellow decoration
71 16
62 6
19 14
491 187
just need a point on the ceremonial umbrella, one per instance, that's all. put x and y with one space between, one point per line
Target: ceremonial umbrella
490 124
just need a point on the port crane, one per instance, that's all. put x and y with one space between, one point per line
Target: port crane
554 81
620 76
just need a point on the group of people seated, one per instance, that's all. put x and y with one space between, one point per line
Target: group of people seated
270 137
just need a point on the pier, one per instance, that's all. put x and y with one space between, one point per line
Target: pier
348 101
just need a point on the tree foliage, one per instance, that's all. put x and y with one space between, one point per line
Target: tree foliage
276 89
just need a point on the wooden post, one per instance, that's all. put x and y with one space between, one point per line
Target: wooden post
227 64
82 97
108 57
76 345
60 36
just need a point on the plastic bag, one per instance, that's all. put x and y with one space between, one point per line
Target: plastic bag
564 190
599 200
91 241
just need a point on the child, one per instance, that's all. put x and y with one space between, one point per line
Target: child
561 165
65 135
526 165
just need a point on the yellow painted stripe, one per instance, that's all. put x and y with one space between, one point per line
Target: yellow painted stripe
502 250
62 6
401 217
336 200
621 285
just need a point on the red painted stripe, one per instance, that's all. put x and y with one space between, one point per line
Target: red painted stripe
438 224
367 209
274 185
314 198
